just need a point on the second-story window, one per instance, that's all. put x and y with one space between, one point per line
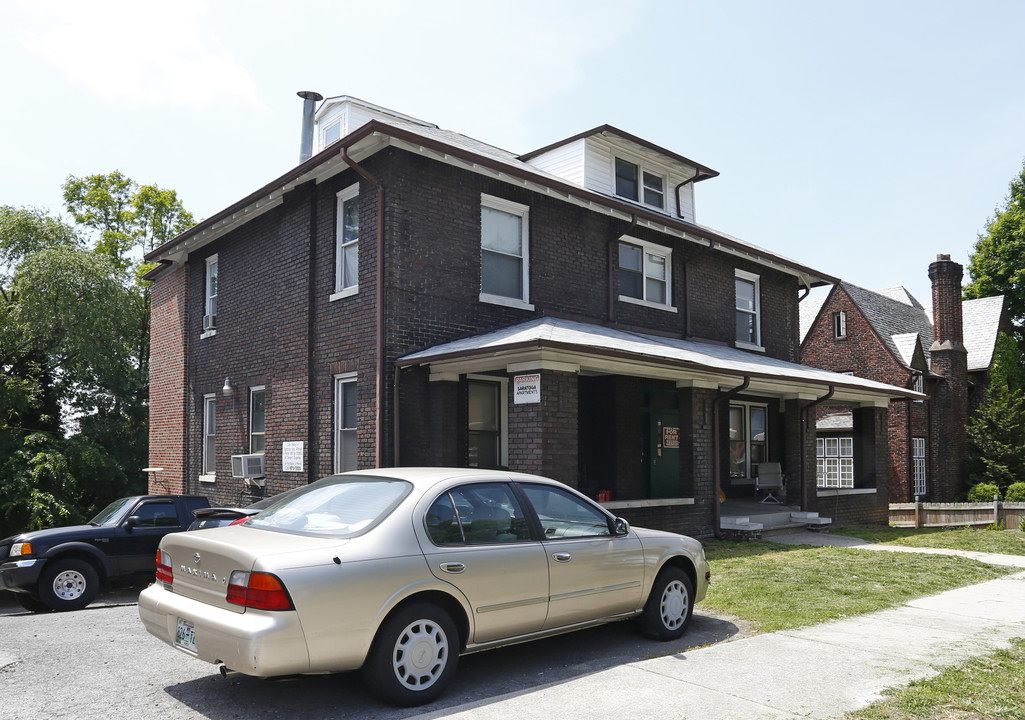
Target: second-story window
504 256
748 309
840 325
257 420
210 293
347 243
644 273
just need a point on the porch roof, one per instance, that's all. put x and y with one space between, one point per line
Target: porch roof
587 349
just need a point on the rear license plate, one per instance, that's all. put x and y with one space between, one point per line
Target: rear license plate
186 635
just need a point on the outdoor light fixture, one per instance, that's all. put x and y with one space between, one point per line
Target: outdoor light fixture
227 390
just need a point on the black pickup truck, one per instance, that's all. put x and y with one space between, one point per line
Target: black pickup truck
63 568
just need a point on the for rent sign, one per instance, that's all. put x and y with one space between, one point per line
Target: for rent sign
527 389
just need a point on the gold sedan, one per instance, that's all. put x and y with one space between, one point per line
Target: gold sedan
400 571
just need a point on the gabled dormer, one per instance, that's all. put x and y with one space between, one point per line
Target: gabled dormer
618 164
338 116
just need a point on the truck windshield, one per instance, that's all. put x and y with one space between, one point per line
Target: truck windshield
110 515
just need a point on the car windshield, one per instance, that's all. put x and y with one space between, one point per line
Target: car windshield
335 506
110 515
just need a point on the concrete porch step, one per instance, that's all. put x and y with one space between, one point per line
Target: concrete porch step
731 522
809 518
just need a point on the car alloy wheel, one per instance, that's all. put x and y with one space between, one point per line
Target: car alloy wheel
68 584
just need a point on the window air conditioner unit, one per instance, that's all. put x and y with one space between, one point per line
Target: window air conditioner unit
209 322
249 468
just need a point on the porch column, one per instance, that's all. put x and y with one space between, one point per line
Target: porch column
799 450
697 441
543 436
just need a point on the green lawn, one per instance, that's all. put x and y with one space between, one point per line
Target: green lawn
780 587
990 687
1007 542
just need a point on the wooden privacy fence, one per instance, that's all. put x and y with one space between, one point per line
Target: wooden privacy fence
923 514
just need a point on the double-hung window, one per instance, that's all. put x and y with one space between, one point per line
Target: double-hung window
639 184
209 435
486 428
210 296
749 332
918 458
834 462
645 273
257 420
347 243
748 438
840 325
345 423
504 252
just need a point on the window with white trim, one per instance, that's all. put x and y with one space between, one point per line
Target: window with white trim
918 460
749 324
210 296
347 242
257 420
209 434
346 450
640 184
331 133
749 435
918 384
504 252
834 462
645 273
840 325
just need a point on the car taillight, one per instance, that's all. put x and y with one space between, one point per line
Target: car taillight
258 590
239 521
164 572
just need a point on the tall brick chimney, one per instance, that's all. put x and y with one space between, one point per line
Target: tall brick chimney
948 328
948 402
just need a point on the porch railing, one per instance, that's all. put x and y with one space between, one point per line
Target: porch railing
924 515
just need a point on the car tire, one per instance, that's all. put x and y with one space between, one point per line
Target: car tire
31 603
414 656
670 605
68 584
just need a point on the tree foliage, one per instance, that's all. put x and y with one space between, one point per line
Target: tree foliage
74 347
997 264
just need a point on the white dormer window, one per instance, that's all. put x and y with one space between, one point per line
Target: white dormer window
332 132
636 183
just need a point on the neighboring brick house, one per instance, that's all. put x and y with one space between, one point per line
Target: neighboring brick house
887 335
410 296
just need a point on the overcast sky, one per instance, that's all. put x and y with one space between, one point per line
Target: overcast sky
860 139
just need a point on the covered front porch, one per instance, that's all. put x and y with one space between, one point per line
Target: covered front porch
647 425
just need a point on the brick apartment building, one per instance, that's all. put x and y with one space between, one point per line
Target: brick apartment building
410 296
887 335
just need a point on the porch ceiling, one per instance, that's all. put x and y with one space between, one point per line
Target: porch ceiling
556 344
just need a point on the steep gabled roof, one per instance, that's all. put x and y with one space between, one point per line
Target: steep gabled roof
904 325
981 324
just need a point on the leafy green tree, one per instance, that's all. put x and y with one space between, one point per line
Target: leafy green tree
997 264
74 347
997 430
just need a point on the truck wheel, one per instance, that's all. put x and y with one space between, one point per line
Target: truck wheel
68 585
31 603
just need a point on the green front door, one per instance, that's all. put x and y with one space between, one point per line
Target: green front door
662 452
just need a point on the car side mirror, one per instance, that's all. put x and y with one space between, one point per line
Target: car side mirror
622 526
132 522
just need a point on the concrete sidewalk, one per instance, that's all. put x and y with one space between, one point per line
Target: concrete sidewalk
820 671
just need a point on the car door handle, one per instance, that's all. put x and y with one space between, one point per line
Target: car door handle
562 557
453 567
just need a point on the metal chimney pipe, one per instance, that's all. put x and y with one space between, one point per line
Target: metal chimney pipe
310 99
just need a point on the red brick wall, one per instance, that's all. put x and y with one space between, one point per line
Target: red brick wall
168 302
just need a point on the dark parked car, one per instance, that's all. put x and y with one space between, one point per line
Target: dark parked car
211 517
63 568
